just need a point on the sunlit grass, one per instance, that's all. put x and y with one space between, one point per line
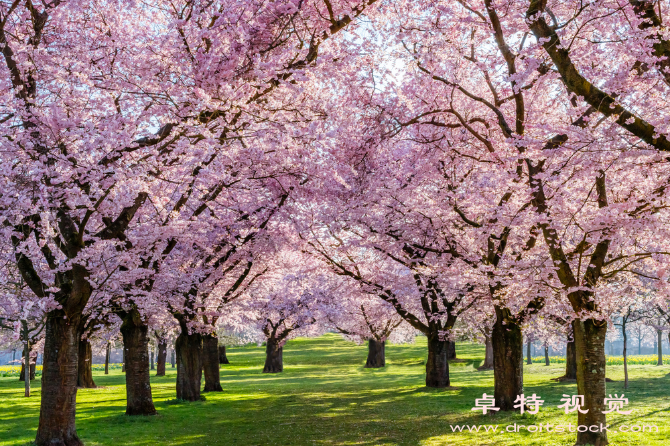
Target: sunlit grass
326 397
611 360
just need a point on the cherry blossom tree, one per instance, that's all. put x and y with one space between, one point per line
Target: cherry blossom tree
366 318
91 116
286 302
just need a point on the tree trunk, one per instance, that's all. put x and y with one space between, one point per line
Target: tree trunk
210 362
625 356
488 355
26 370
172 358
660 346
136 360
59 382
85 366
123 359
376 354
571 360
189 364
451 350
591 363
507 360
274 361
33 368
529 358
151 354
162 357
223 359
546 354
437 366
108 352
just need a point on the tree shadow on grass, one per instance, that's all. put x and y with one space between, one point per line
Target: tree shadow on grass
313 403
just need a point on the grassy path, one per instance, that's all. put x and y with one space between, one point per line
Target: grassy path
326 397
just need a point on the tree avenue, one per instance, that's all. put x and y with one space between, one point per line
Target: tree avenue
176 172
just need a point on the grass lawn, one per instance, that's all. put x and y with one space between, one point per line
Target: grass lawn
326 397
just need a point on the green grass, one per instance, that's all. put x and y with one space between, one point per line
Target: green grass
326 397
611 360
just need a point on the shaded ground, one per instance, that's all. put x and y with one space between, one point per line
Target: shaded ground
326 397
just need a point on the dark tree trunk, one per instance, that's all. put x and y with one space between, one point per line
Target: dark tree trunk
451 350
85 367
376 354
151 355
571 360
546 354
591 363
223 359
59 382
507 342
274 361
108 352
33 367
488 355
136 359
529 359
26 371
172 358
189 364
210 363
123 359
437 366
162 357
625 356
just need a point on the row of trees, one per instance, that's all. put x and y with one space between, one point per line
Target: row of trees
260 166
